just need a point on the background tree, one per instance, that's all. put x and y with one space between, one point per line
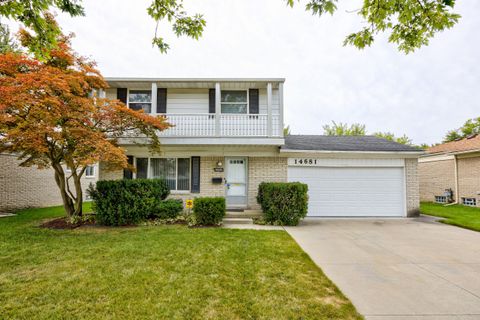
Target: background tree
7 43
51 119
286 131
410 23
357 129
391 137
470 127
343 129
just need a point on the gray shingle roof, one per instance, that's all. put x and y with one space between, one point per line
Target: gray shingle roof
343 143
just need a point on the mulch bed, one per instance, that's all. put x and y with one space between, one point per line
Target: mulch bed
62 223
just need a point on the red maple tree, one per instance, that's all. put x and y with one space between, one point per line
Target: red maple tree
51 117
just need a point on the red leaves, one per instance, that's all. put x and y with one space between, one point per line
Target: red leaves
48 114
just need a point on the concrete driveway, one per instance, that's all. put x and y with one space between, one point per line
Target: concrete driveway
398 268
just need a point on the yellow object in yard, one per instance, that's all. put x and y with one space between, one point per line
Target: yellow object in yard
189 203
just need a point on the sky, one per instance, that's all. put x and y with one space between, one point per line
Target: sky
422 95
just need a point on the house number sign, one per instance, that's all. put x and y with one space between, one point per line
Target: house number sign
303 162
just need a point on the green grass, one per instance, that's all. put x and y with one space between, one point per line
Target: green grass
457 215
169 272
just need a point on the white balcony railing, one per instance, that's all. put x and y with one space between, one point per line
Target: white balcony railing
229 125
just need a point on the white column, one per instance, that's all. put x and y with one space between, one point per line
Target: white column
154 98
280 115
218 108
101 93
269 109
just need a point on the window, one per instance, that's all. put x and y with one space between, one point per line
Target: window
90 172
140 100
176 171
469 202
142 168
440 199
234 102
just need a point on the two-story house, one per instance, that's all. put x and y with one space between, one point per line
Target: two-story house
228 138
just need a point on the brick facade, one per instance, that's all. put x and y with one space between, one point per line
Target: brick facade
273 169
435 177
28 187
469 178
264 169
412 187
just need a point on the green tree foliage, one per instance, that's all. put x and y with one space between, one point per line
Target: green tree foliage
357 129
7 44
343 129
286 131
409 23
470 127
35 16
391 137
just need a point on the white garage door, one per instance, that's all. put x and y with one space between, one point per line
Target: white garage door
352 191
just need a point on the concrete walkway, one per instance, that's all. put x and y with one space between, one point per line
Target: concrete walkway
398 268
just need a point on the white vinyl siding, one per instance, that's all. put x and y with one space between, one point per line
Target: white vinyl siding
187 101
263 101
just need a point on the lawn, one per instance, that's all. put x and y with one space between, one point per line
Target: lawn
171 272
457 215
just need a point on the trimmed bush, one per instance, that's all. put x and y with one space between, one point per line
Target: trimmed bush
124 202
208 211
283 203
168 209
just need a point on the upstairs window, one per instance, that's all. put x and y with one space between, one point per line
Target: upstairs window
234 102
140 100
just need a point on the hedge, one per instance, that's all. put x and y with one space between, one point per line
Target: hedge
168 209
124 202
208 210
283 203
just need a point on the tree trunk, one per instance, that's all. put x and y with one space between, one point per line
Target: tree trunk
79 193
68 202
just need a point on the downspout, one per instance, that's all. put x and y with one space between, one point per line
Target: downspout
456 181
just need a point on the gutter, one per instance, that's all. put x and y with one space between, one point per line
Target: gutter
133 79
353 152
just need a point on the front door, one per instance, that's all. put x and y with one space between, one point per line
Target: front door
236 182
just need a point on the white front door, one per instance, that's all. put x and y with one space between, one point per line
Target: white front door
236 182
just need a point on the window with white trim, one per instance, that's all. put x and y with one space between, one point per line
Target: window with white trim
140 100
175 171
440 199
469 202
90 172
234 101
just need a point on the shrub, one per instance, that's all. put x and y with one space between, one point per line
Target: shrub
208 211
168 209
123 202
283 203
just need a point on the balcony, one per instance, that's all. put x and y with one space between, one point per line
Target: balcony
223 125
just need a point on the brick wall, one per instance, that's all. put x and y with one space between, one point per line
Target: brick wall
22 187
259 169
435 177
412 187
264 169
469 178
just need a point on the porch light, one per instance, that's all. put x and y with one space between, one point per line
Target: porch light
219 163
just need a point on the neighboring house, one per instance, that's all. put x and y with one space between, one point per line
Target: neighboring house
451 166
228 138
25 187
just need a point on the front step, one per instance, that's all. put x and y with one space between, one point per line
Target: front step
237 221
244 214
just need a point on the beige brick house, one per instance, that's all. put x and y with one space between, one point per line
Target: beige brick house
450 172
228 138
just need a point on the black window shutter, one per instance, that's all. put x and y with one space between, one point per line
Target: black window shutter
128 174
122 94
211 101
253 101
162 100
195 188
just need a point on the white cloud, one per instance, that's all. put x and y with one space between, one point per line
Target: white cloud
423 94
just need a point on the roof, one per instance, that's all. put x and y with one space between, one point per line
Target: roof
131 79
464 145
344 143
